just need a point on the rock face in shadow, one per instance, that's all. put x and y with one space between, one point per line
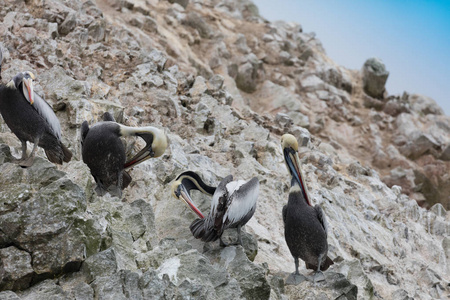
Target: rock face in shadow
224 85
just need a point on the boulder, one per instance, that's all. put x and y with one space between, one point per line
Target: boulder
249 74
374 76
424 105
15 269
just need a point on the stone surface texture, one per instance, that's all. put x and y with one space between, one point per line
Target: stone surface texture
224 85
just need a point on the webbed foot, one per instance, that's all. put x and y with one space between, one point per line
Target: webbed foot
295 279
25 163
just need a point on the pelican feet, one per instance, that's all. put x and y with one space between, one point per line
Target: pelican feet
317 277
295 279
27 162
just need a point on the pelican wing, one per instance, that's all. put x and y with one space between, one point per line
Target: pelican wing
217 207
284 214
84 131
46 111
321 217
243 196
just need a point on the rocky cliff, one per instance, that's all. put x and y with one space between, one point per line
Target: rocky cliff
224 84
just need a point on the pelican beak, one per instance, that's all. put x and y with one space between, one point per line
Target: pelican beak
155 147
142 156
293 164
146 152
28 82
181 193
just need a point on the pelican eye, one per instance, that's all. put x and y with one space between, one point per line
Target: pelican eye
178 191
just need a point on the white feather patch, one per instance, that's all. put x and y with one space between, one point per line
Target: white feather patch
233 186
295 188
242 201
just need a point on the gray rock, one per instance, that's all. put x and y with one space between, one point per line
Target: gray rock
299 119
197 22
401 295
8 295
374 77
69 23
42 222
97 30
59 86
446 153
335 286
15 269
312 83
302 135
354 272
53 30
183 3
245 79
47 289
215 83
249 74
101 264
401 177
370 102
283 120
241 44
146 23
395 107
5 154
424 105
439 210
199 87
337 78
418 144
251 277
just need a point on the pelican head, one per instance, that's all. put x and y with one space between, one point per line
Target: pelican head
180 192
24 80
289 145
156 143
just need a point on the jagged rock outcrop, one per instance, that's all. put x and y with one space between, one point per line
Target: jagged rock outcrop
176 66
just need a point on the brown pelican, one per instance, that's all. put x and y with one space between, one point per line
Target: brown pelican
232 206
305 227
104 153
32 119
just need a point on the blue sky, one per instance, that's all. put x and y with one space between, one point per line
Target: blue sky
411 37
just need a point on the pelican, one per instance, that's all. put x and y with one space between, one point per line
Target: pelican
104 153
305 226
32 119
232 206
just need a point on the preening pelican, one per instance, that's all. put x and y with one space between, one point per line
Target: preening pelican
32 119
305 227
232 206
104 153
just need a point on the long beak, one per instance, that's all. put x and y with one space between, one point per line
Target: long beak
293 163
146 152
187 199
142 156
28 82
